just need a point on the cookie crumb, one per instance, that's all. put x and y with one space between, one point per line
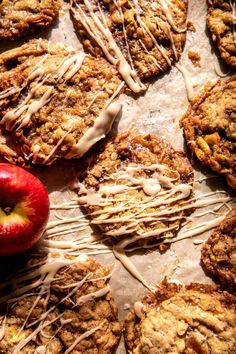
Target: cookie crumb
195 58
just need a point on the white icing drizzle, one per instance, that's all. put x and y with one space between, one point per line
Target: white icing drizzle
198 242
25 341
102 35
198 229
120 254
138 307
119 8
150 55
218 70
8 92
40 278
172 42
22 114
187 80
30 106
161 191
2 327
146 29
83 336
75 247
169 17
71 66
101 127
92 296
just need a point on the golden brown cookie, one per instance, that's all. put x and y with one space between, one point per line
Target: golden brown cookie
142 38
55 102
61 305
19 17
136 188
192 319
221 21
219 252
210 128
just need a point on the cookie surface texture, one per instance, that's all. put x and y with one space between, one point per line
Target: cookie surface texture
175 319
20 17
61 305
134 188
219 252
55 102
142 38
221 21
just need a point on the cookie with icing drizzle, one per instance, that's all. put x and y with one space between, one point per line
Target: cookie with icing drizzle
55 102
20 17
142 38
136 189
221 21
210 128
198 318
59 304
219 252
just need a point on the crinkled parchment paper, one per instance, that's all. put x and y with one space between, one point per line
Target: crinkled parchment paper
157 111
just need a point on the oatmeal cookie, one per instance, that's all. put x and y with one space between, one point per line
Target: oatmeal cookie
192 319
210 128
136 188
142 38
59 305
221 21
19 17
55 102
219 252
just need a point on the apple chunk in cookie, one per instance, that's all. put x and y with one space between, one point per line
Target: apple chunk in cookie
55 102
24 209
136 188
210 128
198 318
61 304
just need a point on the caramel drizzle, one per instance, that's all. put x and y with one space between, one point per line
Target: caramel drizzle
41 277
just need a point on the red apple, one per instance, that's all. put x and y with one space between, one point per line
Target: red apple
24 209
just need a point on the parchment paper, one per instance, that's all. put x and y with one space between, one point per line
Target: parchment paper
157 111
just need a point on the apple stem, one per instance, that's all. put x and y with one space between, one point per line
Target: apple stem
7 210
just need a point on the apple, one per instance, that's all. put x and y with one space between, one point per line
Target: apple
24 209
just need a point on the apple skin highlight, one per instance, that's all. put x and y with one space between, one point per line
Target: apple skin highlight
24 209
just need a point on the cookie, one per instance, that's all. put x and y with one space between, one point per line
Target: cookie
136 188
219 252
142 38
61 304
221 21
20 17
55 102
210 128
198 318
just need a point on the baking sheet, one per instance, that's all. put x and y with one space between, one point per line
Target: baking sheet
157 111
